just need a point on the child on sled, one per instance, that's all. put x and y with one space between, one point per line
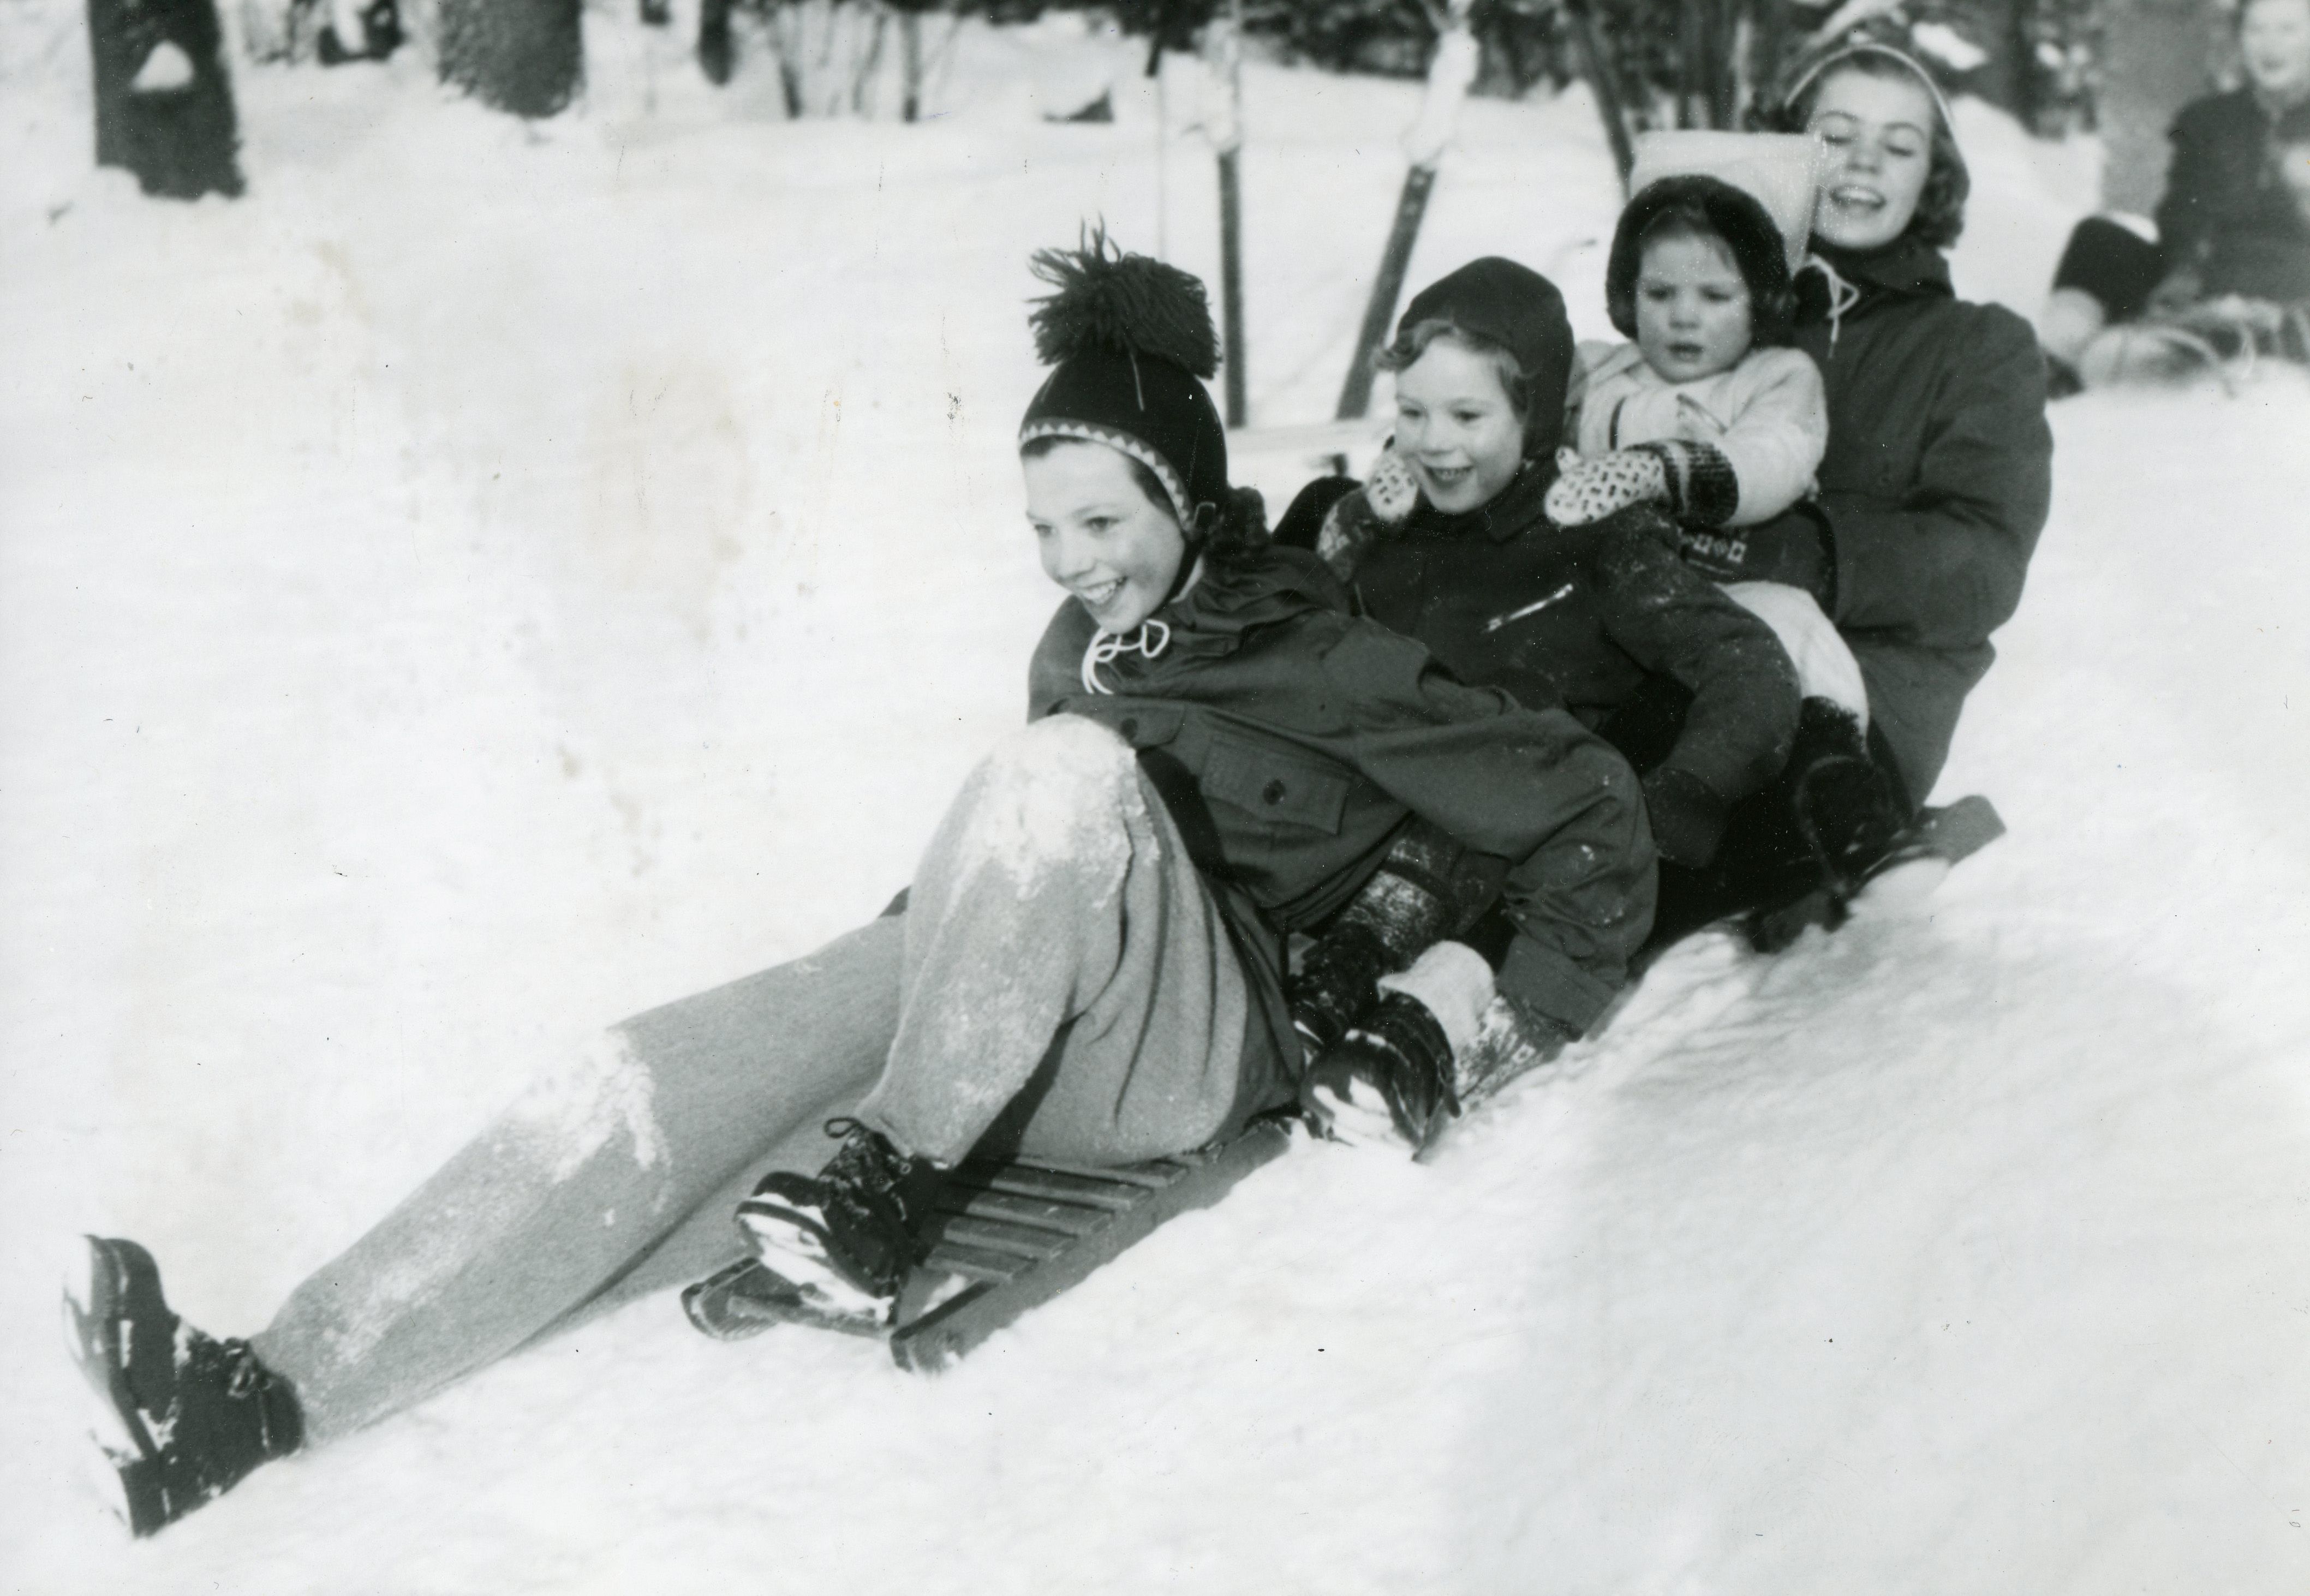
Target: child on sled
1089 965
1706 410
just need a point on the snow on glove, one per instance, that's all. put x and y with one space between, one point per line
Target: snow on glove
1587 490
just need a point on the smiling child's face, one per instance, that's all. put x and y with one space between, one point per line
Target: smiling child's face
1693 317
1099 535
1456 427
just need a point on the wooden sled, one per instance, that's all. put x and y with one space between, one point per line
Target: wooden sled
1008 1235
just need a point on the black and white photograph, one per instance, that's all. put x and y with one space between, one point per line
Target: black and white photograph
1286 797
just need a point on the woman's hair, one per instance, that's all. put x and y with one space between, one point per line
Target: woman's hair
1694 207
1231 531
1940 215
1412 341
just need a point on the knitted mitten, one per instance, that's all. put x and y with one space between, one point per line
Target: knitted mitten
1361 519
1587 490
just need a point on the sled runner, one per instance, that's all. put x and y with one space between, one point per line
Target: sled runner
1008 1235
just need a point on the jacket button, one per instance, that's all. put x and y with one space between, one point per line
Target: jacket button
1272 793
1130 728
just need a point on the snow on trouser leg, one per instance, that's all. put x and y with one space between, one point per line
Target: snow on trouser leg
614 1171
183 1418
1068 974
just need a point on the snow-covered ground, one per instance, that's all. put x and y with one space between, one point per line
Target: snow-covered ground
493 579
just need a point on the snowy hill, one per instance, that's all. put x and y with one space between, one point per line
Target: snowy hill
491 580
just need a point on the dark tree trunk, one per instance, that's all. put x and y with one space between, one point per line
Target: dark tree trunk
178 132
525 56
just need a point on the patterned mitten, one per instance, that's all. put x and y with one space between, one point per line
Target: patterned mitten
1361 519
1587 490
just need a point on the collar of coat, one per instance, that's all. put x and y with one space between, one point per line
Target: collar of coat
1514 511
1905 268
1232 599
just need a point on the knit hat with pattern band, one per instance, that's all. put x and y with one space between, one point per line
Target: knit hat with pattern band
1128 339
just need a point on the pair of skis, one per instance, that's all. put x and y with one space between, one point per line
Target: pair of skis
1008 1235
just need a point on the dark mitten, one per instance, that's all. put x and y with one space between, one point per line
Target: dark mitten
1793 548
1427 887
1335 982
1703 488
1397 1063
1688 817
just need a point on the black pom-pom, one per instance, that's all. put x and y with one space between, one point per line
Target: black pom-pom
1131 304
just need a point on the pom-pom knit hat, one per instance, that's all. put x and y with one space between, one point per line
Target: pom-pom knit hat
1128 339
1497 299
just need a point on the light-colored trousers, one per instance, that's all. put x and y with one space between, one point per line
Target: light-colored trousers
1062 983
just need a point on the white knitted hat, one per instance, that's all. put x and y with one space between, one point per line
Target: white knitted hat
1779 170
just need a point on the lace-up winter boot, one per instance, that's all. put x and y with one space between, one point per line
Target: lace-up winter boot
184 1418
846 1236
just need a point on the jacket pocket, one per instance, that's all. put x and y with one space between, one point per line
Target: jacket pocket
1148 725
1274 786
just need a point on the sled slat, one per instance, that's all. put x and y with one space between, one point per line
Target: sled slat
1024 1181
1073 1218
976 1264
935 1339
995 1237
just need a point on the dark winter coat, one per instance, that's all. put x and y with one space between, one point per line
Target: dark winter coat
1583 618
2226 215
1933 489
1292 740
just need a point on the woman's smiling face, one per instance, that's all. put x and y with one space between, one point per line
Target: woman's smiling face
1455 425
1876 136
1099 535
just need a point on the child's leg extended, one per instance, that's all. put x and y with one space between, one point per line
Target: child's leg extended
1063 955
587 1174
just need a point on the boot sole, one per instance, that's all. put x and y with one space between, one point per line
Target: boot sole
114 1469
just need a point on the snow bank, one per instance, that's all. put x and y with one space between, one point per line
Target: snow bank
495 578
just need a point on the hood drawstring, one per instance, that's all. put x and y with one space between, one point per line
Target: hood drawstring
1842 295
1151 638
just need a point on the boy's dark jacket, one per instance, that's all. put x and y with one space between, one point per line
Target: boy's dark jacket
1935 485
1291 740
1582 618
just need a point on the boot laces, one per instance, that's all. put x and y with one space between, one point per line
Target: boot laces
244 1375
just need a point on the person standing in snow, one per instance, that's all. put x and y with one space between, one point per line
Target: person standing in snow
1089 965
2227 228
